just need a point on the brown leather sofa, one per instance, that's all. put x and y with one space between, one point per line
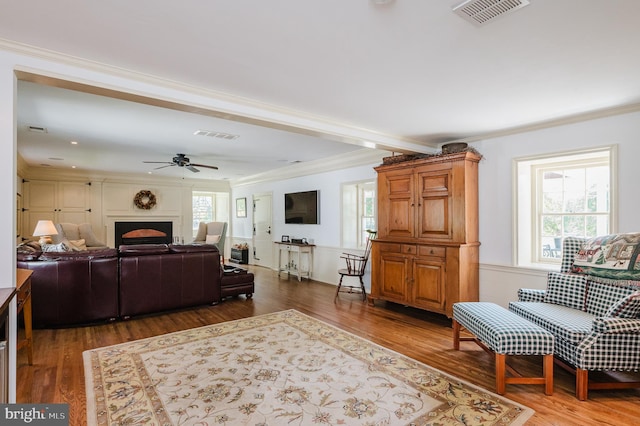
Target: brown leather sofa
160 277
74 288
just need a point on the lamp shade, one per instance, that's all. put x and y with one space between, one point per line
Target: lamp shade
45 227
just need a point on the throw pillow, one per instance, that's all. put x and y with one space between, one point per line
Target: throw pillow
627 307
77 245
566 289
615 256
212 239
55 248
86 233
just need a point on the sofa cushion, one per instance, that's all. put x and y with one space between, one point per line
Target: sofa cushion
627 307
566 289
142 249
564 323
570 246
86 233
614 256
601 296
80 255
192 248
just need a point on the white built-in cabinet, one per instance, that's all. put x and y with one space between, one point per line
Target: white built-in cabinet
60 202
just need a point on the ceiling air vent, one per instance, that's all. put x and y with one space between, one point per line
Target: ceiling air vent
481 12
37 129
219 135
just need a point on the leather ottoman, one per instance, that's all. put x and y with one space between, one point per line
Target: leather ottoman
237 281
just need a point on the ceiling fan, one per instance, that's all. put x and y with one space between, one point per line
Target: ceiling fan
181 160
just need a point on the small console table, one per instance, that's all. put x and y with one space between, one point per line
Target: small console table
296 250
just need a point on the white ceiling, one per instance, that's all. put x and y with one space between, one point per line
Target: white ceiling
411 69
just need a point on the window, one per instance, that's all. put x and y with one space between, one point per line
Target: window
358 213
568 194
209 207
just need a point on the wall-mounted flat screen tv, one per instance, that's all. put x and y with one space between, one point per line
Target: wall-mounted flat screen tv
302 207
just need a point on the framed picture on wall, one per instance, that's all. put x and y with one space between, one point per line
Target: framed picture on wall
241 207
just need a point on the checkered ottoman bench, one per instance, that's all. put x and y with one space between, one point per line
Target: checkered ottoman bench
502 332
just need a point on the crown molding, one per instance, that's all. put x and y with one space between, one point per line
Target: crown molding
361 157
555 122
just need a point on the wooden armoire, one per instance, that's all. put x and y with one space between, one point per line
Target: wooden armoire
426 252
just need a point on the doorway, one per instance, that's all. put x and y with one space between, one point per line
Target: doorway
262 225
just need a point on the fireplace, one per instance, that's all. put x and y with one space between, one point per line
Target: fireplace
143 233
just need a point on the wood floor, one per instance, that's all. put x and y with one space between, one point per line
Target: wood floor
57 375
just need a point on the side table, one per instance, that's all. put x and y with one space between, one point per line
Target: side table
297 249
23 288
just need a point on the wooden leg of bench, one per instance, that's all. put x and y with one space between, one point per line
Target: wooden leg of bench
548 374
582 384
501 372
456 335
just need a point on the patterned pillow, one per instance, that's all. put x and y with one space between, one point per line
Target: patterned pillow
627 307
566 289
615 256
55 248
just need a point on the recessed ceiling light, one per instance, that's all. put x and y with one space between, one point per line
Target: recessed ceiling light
73 167
74 143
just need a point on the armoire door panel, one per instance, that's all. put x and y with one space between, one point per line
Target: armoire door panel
393 277
435 217
428 284
400 221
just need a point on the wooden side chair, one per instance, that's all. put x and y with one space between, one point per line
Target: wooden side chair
356 266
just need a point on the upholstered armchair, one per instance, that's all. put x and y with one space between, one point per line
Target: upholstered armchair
212 233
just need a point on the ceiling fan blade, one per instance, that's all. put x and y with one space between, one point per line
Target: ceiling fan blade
158 162
162 167
205 166
193 169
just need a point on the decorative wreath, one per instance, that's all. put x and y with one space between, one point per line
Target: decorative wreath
144 200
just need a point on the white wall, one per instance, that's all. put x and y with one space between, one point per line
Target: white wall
326 235
499 279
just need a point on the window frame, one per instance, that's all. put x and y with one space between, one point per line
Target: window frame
220 204
353 217
527 199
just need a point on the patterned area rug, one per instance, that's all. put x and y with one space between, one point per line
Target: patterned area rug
284 368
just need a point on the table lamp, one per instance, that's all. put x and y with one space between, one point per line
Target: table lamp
44 230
